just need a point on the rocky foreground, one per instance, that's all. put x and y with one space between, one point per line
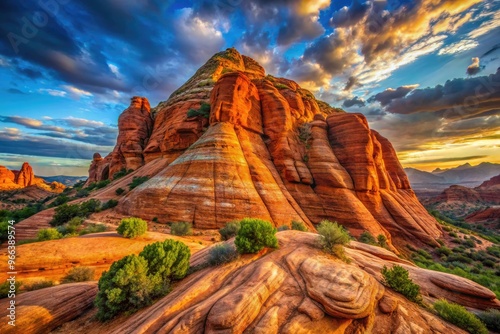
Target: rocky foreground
294 289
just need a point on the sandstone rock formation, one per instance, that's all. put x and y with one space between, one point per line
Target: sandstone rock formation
43 310
299 289
134 125
18 179
268 149
296 288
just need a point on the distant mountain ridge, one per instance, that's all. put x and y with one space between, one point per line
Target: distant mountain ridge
68 181
462 175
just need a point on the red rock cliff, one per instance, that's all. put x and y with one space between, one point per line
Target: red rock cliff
269 149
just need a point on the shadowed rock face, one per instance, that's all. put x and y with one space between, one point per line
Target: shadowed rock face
270 150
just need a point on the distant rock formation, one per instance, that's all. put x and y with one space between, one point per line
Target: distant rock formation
268 149
18 179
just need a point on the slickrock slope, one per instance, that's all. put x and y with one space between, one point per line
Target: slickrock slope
53 259
44 310
268 149
18 179
298 289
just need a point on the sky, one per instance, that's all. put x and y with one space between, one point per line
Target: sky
425 73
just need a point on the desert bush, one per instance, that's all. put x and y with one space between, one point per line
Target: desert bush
82 193
460 317
283 228
109 204
398 279
88 207
48 234
255 234
203 111
134 281
443 250
223 253
65 212
126 287
61 199
93 228
119 191
298 226
71 227
79 274
367 238
37 285
382 240
132 227
137 181
5 288
181 228
230 230
491 318
331 235
121 173
168 259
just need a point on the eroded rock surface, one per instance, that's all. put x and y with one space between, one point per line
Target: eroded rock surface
268 149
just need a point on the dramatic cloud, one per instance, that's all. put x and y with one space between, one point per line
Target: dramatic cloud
356 101
462 46
474 68
75 129
457 98
390 94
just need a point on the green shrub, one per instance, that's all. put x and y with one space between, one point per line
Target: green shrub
367 238
155 219
109 204
137 181
65 212
382 240
82 193
230 230
398 279
126 287
5 288
37 285
255 234
121 173
460 317
72 226
331 235
48 234
491 318
119 191
443 250
102 184
181 228
283 228
299 226
61 199
168 259
134 281
203 111
90 206
132 227
453 234
93 228
79 274
223 253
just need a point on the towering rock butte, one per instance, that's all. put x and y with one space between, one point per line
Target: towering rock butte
268 149
25 177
